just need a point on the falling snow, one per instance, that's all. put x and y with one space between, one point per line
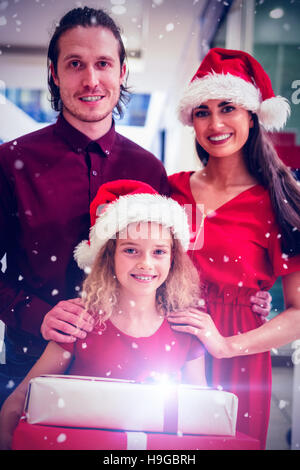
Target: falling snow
19 164
61 403
61 437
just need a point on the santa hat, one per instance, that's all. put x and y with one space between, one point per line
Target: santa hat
122 202
237 77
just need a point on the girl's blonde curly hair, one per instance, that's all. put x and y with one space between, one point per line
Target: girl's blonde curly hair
180 291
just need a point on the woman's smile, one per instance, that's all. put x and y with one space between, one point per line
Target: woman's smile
218 139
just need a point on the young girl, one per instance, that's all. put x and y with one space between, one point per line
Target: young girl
138 272
251 224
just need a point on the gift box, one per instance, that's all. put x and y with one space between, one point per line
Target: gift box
42 437
119 404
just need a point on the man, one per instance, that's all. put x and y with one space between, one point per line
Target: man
47 181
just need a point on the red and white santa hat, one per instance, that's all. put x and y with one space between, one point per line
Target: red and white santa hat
239 78
122 202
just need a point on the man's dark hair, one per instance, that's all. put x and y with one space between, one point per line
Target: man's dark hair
87 17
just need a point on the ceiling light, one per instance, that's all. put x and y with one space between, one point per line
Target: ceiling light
276 13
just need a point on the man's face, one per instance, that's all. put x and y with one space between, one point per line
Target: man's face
88 74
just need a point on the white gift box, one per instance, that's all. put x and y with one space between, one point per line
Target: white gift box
90 402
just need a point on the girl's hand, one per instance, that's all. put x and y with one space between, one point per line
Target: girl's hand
200 324
261 303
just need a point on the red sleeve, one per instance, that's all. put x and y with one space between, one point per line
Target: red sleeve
281 262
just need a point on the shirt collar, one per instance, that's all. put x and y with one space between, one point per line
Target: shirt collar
79 141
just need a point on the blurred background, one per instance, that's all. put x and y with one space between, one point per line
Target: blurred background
165 42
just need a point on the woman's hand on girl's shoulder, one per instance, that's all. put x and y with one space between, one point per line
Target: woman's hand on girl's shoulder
261 303
201 325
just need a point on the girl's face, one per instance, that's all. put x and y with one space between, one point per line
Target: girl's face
221 127
142 259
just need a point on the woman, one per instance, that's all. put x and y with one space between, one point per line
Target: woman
249 227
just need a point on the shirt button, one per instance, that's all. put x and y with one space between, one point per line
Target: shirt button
107 152
94 173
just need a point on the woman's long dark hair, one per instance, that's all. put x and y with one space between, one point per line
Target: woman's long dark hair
264 164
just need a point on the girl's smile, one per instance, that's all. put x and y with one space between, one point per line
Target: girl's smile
142 259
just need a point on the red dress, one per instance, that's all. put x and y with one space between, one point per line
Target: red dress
237 254
114 354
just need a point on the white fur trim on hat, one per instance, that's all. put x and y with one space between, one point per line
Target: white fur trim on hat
132 209
272 113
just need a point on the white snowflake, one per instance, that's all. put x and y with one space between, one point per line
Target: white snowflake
170 27
61 437
19 164
61 403
282 404
10 384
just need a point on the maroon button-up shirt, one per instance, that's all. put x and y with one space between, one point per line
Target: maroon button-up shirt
47 180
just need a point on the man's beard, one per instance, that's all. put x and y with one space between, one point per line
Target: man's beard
87 117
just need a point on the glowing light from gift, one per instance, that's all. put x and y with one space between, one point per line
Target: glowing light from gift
163 382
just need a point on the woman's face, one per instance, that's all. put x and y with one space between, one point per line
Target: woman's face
221 127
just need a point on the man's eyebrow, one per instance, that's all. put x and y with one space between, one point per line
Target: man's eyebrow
77 55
